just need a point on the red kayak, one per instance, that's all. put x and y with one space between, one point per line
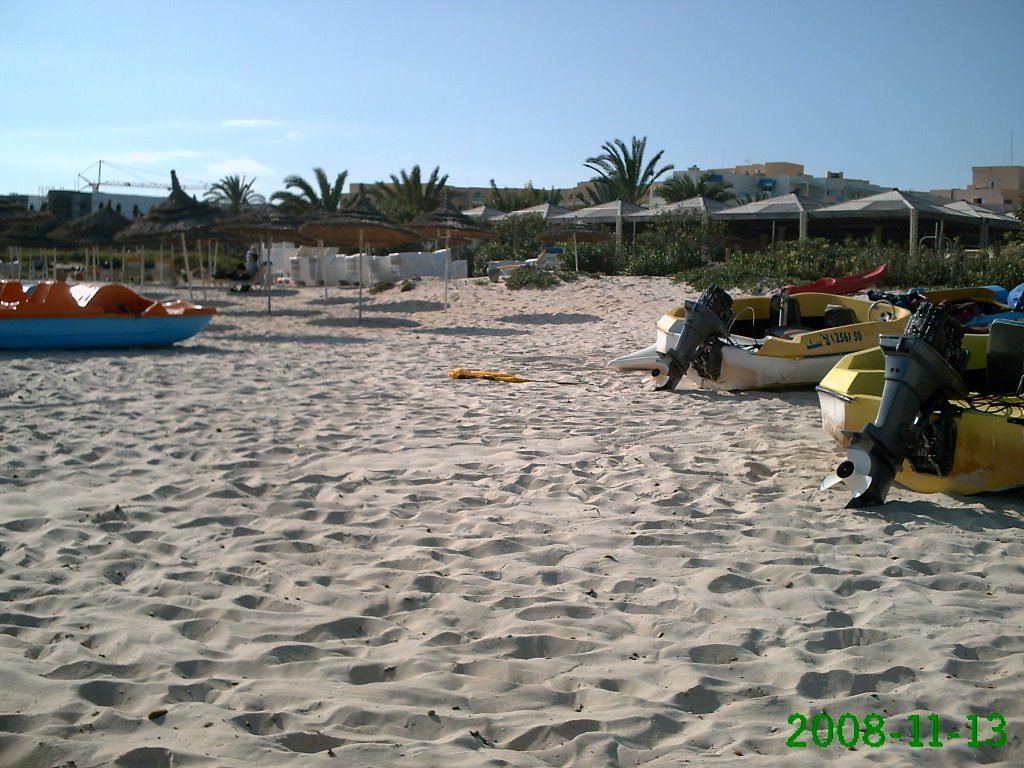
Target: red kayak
842 285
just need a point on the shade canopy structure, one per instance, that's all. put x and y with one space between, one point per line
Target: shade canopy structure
12 211
604 213
450 224
912 217
892 204
695 205
575 231
789 207
613 212
770 219
28 230
544 210
98 228
359 224
356 225
265 223
484 213
178 215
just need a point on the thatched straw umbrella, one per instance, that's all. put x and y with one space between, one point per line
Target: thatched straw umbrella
176 216
358 224
577 231
265 222
94 230
449 222
26 229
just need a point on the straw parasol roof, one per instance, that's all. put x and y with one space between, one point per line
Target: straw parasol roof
451 223
265 221
31 230
574 230
357 224
179 214
98 228
12 210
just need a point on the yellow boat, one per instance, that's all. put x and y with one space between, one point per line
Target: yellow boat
761 342
935 410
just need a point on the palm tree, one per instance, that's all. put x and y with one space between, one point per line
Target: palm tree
325 196
234 194
516 199
684 187
622 174
407 197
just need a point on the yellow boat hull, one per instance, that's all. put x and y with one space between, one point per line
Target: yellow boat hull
990 432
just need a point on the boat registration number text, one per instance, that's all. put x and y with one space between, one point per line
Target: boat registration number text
836 338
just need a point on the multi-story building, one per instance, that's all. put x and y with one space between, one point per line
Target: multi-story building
763 180
998 187
67 204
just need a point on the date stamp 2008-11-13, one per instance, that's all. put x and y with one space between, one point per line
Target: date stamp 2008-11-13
821 730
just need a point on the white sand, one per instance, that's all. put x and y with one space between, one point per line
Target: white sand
306 545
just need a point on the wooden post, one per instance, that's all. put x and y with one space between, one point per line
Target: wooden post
188 269
914 222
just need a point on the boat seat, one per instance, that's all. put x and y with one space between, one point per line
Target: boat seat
792 314
837 315
1005 357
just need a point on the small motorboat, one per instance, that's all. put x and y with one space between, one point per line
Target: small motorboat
56 315
934 409
761 342
842 285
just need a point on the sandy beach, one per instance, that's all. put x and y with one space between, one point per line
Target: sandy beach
293 540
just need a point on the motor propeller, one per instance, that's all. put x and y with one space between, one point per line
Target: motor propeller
923 370
709 316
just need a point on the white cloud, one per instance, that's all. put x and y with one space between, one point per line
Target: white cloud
241 166
153 156
250 123
293 135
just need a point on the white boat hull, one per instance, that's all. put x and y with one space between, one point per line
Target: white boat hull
741 368
758 354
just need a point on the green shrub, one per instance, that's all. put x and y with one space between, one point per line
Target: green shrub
594 258
528 277
673 244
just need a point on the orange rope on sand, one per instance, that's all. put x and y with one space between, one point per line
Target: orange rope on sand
462 373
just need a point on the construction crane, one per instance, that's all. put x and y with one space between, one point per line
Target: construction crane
94 186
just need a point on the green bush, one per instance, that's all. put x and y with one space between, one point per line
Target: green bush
528 277
673 244
594 258
801 261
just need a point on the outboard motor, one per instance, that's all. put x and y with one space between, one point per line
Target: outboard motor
923 369
709 316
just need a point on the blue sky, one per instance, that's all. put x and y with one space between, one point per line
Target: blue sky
904 93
